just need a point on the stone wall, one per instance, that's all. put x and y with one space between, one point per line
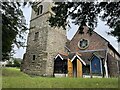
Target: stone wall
113 63
55 43
50 41
113 67
113 53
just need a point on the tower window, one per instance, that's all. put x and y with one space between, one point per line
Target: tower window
40 9
36 36
33 57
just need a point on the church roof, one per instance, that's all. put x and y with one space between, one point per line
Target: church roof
65 56
109 45
62 56
111 58
71 55
86 56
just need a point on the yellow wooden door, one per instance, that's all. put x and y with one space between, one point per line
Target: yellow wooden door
79 68
70 68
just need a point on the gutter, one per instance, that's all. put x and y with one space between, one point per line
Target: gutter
67 48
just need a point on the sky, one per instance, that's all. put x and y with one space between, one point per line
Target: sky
19 52
101 29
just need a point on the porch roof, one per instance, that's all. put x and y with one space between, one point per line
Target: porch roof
62 56
72 56
86 56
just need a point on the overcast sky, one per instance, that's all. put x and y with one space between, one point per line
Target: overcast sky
101 29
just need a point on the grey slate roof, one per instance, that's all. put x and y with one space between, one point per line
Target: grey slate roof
85 56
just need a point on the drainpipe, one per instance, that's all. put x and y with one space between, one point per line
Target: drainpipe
106 68
90 70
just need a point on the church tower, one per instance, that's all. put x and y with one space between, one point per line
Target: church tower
44 42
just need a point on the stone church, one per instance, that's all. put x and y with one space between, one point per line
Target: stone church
50 53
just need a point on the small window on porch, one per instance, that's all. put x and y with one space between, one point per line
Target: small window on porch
60 66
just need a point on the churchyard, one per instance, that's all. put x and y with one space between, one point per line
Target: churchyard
13 78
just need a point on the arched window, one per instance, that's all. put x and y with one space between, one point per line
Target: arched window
40 10
60 66
33 57
96 65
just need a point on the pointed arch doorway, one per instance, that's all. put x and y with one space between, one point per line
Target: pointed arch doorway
75 66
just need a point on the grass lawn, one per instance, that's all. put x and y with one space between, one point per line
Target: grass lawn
13 78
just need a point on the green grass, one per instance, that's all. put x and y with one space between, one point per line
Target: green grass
13 78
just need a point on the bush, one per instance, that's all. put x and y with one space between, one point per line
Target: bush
14 63
9 64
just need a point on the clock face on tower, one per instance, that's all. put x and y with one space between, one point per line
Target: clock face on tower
83 43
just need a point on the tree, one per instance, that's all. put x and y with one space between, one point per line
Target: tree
86 14
83 13
16 63
13 27
9 64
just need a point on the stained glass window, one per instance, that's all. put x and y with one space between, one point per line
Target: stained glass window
83 43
